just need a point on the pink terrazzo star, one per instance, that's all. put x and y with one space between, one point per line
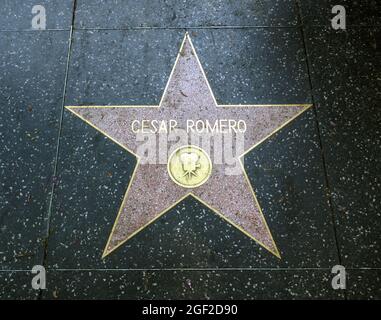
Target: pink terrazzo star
151 191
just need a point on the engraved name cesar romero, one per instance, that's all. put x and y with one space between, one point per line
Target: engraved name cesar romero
195 126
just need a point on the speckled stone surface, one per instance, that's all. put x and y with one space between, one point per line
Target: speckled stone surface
345 71
250 65
17 14
358 12
106 65
167 284
194 13
291 188
16 285
364 284
32 73
254 66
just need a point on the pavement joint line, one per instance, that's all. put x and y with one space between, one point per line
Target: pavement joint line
55 168
32 30
222 27
59 133
149 28
328 192
359 26
194 269
186 27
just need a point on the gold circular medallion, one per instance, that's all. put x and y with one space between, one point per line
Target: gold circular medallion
189 166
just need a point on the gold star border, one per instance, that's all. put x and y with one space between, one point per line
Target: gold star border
305 107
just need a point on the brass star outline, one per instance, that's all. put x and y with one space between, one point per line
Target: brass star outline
273 250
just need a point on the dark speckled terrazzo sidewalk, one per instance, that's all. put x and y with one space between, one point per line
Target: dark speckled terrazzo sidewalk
317 180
